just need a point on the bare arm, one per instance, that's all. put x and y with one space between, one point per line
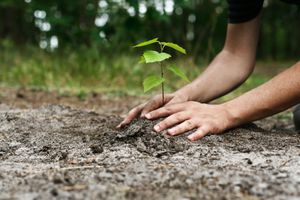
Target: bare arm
230 68
278 94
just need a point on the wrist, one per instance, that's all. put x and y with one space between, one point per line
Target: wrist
235 117
183 94
190 92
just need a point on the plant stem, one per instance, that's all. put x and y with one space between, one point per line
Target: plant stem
162 76
162 84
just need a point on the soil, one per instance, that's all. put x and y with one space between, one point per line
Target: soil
72 151
34 98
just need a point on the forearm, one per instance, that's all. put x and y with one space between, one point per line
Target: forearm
225 73
278 94
231 67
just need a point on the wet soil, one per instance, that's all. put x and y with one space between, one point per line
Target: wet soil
61 152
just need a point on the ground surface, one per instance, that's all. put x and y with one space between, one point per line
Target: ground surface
61 152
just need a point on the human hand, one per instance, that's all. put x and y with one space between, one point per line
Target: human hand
183 117
152 104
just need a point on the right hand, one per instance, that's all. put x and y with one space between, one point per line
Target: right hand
151 105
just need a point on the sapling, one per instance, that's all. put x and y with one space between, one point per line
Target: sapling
151 56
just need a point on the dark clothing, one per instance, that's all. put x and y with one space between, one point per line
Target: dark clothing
244 10
296 117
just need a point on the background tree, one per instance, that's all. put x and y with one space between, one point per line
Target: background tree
115 24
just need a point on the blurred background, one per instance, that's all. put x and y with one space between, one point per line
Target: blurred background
85 45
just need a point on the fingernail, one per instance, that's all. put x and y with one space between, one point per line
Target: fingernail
157 128
148 116
171 131
191 138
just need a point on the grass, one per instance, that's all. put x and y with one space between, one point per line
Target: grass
253 81
85 70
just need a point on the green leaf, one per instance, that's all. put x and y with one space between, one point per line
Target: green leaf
178 72
142 60
151 82
146 43
154 56
175 46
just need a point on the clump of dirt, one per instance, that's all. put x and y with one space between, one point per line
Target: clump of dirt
58 152
140 134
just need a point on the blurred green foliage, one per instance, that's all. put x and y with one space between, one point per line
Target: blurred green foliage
86 44
113 25
86 70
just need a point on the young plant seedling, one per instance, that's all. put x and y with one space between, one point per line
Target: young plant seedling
151 56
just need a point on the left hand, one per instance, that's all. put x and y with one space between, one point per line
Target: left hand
183 117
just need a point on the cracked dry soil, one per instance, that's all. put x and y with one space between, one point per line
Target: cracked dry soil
56 152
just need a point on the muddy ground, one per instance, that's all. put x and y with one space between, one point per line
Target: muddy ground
73 151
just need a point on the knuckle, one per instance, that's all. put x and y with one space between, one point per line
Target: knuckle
146 109
212 127
153 113
180 116
163 124
190 114
189 124
196 121
148 104
156 111
169 121
180 127
206 128
132 111
168 109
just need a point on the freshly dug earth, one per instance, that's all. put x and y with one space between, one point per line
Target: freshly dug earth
57 152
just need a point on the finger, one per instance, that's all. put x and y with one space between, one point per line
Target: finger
171 121
200 133
152 105
165 111
155 103
131 115
183 127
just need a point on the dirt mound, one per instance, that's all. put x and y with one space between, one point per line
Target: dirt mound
141 135
56 152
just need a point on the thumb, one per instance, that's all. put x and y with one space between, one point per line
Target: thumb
154 104
175 100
